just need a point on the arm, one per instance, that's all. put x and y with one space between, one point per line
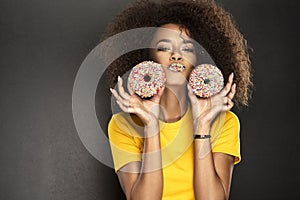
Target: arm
142 180
213 171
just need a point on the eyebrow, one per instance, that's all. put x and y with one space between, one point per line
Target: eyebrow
164 40
169 41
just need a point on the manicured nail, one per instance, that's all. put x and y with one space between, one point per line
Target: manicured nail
111 90
234 86
119 78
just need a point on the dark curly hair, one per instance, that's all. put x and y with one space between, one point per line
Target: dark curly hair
208 23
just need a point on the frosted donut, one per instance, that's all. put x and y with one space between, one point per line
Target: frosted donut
146 78
206 80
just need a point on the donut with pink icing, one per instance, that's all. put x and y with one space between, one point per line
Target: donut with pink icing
146 79
206 80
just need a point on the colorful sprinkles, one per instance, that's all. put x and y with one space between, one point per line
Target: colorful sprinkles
206 80
146 78
177 67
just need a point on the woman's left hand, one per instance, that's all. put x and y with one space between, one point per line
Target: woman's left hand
205 110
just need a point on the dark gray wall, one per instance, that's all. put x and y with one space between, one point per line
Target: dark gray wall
43 43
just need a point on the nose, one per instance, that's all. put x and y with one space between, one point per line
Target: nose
175 56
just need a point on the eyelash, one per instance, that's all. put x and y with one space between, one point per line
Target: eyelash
190 50
163 49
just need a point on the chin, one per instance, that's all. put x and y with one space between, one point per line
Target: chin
177 82
176 78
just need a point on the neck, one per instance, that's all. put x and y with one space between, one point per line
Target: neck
173 103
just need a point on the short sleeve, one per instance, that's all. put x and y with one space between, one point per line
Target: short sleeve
125 144
228 141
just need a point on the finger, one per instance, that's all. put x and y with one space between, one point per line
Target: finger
121 89
230 105
226 100
115 93
156 98
161 91
232 91
130 91
191 95
124 108
227 88
119 98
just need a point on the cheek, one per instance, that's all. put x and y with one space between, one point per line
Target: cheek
160 57
153 55
191 59
188 72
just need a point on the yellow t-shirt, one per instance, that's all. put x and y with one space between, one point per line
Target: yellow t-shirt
177 147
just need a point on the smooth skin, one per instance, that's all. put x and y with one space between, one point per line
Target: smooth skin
212 171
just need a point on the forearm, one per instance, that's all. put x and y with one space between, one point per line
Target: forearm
207 183
149 184
212 171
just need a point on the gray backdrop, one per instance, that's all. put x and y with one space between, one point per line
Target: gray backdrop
42 45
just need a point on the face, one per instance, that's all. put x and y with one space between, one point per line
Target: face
175 51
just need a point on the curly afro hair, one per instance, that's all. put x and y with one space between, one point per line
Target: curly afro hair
208 23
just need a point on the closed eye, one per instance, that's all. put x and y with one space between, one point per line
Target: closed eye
188 47
163 49
188 50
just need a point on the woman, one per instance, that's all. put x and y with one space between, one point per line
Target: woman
175 145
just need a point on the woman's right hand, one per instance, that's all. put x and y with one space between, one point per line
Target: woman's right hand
147 110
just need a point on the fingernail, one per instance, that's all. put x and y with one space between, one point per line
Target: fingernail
232 74
119 78
234 85
111 90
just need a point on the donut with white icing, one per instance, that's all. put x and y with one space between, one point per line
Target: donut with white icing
146 79
206 80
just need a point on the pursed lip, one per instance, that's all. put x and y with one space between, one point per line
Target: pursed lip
177 67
